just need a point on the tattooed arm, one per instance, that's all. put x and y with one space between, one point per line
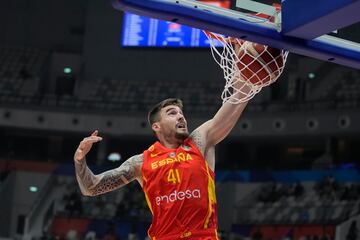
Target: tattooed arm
92 185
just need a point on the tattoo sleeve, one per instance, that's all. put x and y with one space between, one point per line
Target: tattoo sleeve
92 185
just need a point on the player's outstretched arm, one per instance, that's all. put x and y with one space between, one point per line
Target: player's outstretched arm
223 122
91 184
216 129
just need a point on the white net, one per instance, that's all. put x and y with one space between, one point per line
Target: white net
247 66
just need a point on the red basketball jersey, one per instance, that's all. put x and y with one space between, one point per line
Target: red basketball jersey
180 191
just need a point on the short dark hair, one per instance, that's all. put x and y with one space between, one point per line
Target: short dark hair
153 115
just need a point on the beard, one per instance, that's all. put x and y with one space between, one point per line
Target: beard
182 135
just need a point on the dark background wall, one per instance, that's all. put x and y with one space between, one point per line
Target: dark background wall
43 24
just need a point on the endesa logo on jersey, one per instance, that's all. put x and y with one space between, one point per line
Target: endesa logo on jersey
178 196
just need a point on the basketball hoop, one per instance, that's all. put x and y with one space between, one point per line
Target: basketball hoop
247 66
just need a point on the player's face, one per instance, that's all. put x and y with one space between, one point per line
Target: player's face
173 123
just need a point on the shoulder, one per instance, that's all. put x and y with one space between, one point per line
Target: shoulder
134 165
152 148
134 162
199 135
136 159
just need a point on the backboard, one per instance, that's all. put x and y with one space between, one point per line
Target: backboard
301 26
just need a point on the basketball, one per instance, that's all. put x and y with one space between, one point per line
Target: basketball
259 64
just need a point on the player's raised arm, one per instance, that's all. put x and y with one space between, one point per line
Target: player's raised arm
91 184
248 67
216 129
223 122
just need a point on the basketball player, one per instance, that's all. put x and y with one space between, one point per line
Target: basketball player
176 172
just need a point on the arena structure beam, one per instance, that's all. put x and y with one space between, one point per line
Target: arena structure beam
311 19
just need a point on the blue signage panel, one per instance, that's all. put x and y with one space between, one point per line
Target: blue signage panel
140 31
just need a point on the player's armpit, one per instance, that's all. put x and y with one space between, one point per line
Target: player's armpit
92 185
198 136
